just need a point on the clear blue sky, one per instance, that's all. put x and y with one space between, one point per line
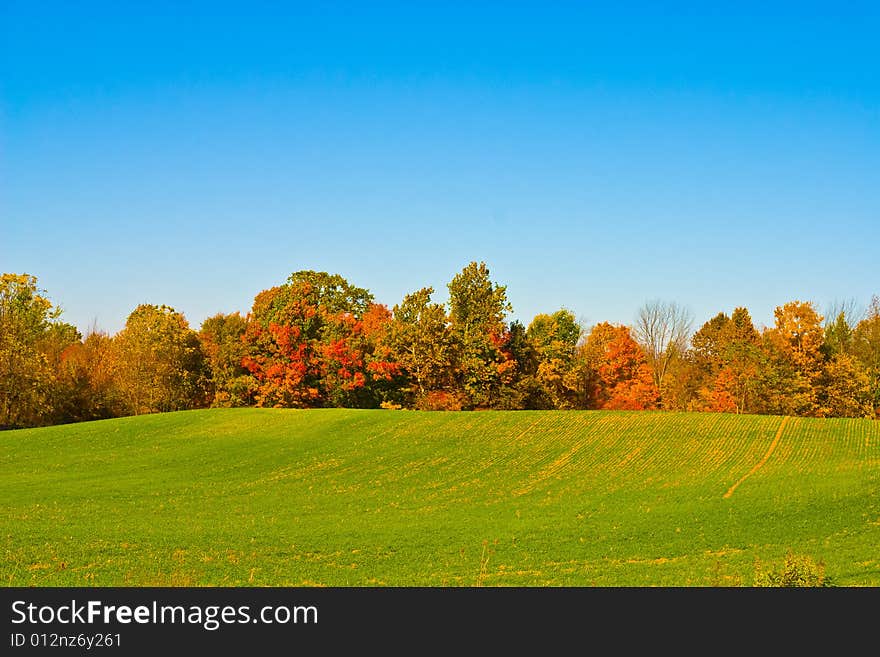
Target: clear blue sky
594 155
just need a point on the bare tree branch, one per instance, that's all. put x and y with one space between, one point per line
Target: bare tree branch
663 330
852 311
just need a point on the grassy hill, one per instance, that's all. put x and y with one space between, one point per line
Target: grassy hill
347 497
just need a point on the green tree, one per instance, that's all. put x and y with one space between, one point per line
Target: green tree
555 336
420 341
478 308
709 343
838 336
524 390
222 342
742 375
554 339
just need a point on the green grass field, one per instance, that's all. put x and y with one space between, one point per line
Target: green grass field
254 497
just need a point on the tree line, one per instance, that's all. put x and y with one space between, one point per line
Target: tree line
319 341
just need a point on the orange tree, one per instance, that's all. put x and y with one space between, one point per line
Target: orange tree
620 376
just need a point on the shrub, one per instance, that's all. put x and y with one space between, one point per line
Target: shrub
439 400
796 570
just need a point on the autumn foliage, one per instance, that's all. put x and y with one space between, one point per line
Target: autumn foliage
624 379
317 340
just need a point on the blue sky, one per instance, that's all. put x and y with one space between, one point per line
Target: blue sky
594 155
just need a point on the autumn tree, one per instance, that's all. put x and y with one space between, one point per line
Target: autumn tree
662 329
384 374
554 339
305 342
683 385
57 344
866 349
795 360
798 333
707 357
341 359
727 363
840 320
357 367
222 342
86 380
419 339
623 380
477 310
158 362
26 316
592 354
844 388
280 350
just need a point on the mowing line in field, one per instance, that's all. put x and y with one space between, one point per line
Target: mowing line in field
762 461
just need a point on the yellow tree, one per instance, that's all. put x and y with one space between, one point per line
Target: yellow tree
866 347
26 315
845 389
554 339
795 345
159 365
799 335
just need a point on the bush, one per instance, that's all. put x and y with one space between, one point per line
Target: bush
796 570
438 400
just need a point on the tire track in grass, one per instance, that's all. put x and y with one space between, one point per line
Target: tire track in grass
760 463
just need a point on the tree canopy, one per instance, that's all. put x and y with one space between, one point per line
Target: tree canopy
317 339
